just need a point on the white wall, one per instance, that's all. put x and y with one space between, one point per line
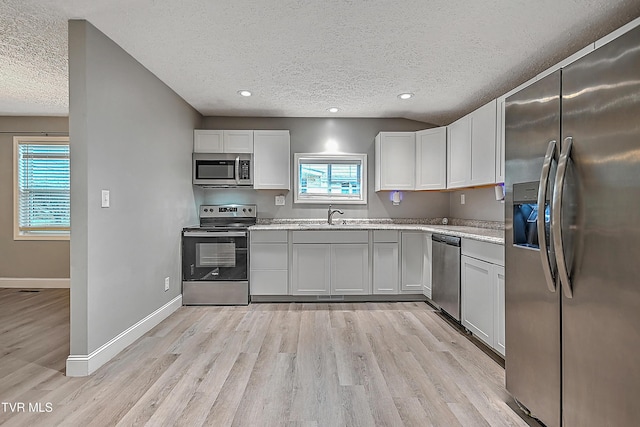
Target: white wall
310 135
132 135
480 204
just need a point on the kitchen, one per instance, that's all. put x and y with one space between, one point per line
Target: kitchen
120 236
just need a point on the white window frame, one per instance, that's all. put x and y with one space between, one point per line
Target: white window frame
327 198
18 140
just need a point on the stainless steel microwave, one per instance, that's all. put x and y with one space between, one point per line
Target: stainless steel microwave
223 169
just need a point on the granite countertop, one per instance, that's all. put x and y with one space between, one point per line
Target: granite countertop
484 231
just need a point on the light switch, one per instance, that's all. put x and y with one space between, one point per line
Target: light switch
105 198
279 200
462 199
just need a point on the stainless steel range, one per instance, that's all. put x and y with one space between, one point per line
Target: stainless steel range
215 256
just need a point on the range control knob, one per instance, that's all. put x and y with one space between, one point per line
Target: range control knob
244 209
206 210
249 209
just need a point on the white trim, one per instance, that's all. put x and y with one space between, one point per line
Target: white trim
81 365
29 283
330 198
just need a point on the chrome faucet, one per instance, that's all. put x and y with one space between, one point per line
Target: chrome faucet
330 214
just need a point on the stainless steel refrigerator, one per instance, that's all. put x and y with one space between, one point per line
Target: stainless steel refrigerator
572 241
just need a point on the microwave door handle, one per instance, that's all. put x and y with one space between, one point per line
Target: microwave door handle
542 198
557 217
237 168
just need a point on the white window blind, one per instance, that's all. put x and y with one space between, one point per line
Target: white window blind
43 188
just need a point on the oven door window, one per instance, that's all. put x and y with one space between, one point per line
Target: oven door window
215 254
214 258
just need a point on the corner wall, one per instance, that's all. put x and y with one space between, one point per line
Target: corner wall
132 135
21 259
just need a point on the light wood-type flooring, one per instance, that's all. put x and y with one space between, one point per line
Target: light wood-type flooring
329 364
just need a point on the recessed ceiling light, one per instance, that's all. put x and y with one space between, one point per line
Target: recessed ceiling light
333 109
244 93
406 95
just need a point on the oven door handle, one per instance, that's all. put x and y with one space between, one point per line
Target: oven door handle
215 234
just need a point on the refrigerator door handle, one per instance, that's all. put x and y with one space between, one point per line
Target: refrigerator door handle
542 198
556 223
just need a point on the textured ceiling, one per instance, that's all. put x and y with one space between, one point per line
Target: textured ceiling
300 57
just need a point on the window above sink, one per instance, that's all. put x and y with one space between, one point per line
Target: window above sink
330 178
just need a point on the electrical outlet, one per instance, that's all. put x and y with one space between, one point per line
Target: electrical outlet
166 284
280 200
462 199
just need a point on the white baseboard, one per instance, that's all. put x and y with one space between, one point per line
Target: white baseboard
30 283
81 365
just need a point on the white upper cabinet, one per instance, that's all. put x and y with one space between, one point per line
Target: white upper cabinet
222 141
459 153
238 141
272 160
431 159
471 149
395 161
207 141
483 145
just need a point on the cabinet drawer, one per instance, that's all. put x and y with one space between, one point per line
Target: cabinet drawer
269 256
489 252
268 236
385 236
269 282
331 236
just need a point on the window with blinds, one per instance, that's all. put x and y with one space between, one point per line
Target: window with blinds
324 178
42 187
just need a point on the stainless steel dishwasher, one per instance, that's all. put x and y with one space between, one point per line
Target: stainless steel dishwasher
446 274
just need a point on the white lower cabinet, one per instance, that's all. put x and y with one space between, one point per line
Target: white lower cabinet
330 263
350 269
427 266
499 333
412 262
386 260
269 274
477 297
311 269
482 292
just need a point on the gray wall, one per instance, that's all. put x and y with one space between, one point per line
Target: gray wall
132 135
480 203
27 258
310 135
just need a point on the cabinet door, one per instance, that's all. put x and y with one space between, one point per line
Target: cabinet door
483 144
311 273
207 141
350 269
431 159
477 297
500 139
426 269
395 161
238 141
269 266
385 268
271 160
499 334
459 153
412 259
